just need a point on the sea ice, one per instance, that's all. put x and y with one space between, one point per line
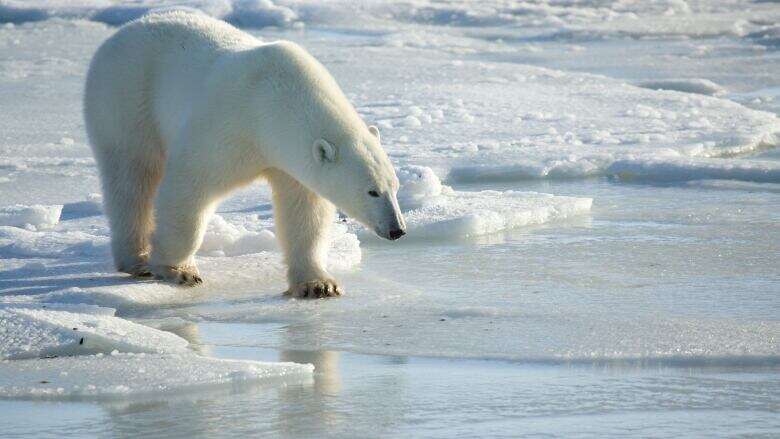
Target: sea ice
639 287
38 331
127 374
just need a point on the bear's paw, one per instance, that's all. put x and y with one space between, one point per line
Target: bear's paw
184 276
316 289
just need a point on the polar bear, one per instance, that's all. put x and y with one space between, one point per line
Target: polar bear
181 109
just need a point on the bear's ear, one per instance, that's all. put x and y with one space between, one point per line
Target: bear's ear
375 131
323 151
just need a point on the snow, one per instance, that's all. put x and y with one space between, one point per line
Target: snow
605 122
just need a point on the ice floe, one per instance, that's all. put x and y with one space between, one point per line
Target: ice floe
121 375
436 211
696 169
38 331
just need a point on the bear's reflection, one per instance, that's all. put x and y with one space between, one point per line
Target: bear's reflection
326 404
318 401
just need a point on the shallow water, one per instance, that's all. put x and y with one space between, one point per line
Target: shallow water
654 272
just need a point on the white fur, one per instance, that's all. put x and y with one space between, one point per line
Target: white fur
188 108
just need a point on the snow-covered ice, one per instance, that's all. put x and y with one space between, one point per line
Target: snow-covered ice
591 190
50 331
127 374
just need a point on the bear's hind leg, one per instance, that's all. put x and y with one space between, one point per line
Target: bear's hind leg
303 221
128 190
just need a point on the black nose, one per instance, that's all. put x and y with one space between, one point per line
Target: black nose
395 234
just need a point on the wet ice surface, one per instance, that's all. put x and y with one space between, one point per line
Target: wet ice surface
589 255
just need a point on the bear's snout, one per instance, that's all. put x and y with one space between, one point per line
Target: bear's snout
392 229
395 234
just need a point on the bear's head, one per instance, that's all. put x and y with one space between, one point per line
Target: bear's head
310 130
355 174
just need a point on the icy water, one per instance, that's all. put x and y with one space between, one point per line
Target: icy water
652 312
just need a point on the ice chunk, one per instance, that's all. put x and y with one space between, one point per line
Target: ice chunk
735 185
694 85
92 206
696 169
40 331
16 242
225 239
34 217
769 37
344 253
467 214
259 13
121 375
433 210
417 183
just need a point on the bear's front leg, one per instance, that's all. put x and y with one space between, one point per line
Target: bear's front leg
182 208
303 221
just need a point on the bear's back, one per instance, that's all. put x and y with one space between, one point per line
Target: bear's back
190 31
160 63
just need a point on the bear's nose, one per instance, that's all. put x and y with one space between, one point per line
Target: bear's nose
395 234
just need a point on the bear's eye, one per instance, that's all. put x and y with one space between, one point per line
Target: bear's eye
374 194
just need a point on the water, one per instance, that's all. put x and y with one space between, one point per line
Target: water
654 272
